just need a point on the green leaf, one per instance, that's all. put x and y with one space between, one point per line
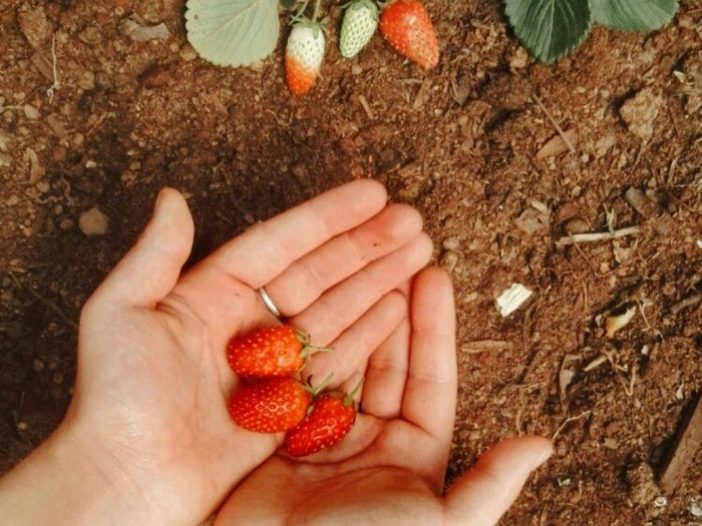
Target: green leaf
233 32
549 29
634 15
287 4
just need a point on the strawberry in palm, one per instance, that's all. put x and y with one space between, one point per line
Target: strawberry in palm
273 351
304 53
406 25
359 26
271 405
331 418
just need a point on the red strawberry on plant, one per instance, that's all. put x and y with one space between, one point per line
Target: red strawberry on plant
406 25
271 405
273 351
332 416
304 53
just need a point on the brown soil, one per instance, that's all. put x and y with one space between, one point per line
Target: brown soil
131 117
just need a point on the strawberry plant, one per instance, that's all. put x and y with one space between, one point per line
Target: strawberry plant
550 29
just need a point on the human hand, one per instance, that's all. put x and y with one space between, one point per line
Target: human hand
390 468
147 438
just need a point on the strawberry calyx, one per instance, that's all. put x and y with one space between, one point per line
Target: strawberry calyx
368 4
299 18
308 350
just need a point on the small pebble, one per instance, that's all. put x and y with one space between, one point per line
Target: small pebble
31 112
87 81
93 222
449 260
188 53
696 510
451 243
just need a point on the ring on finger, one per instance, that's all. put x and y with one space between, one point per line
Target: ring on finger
269 303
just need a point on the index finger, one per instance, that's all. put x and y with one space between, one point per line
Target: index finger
267 249
430 393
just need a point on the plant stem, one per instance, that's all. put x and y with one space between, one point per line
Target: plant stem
317 6
301 11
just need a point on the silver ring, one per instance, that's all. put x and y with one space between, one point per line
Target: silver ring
269 303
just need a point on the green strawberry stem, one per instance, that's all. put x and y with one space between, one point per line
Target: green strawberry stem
350 398
299 15
317 7
311 350
314 391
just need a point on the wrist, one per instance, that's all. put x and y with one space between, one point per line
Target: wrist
61 483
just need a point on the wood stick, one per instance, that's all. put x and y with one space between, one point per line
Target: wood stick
593 237
479 346
555 124
687 302
683 450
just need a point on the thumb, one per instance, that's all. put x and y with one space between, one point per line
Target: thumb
485 493
149 271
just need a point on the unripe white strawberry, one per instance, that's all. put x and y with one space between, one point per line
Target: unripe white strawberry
303 57
359 26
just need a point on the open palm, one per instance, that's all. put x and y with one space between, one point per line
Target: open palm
149 409
390 468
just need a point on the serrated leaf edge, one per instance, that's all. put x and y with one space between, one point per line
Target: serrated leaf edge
565 52
643 30
189 20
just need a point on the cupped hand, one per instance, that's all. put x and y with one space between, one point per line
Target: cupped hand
149 410
390 468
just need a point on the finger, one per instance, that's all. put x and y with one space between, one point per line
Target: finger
387 375
264 251
338 308
307 278
430 395
485 493
352 348
149 271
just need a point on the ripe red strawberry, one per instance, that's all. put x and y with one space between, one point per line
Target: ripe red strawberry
332 416
406 25
303 56
273 351
271 405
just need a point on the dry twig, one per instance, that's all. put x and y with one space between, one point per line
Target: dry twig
479 346
54 70
568 421
593 237
564 136
44 300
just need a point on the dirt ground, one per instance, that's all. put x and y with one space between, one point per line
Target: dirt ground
462 143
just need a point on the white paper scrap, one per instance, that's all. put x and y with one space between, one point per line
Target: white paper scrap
512 298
